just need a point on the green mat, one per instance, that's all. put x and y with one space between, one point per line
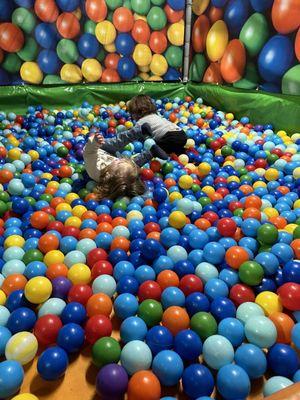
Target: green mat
282 111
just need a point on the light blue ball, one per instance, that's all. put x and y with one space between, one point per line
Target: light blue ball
296 377
215 288
206 271
13 253
52 306
177 253
296 335
275 384
13 267
133 328
11 378
172 296
217 351
5 335
85 245
120 231
247 310
252 359
104 284
233 330
136 356
260 331
15 187
4 315
168 367
126 305
74 257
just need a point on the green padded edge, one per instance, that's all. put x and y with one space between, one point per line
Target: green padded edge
283 111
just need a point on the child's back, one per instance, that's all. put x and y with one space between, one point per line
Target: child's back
159 126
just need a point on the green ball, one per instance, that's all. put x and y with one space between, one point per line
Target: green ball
291 81
113 4
204 201
29 51
46 197
250 79
101 55
255 33
271 158
251 273
67 51
265 248
156 17
195 188
106 350
12 63
204 324
25 19
30 200
62 151
4 196
120 205
174 56
198 67
158 2
296 233
167 168
3 207
238 212
32 255
127 4
89 27
151 312
141 7
110 15
267 234
226 151
83 193
53 80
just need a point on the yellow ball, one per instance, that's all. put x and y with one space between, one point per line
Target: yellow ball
63 207
144 76
175 196
169 106
176 34
229 116
204 168
271 212
2 298
79 274
78 211
199 6
38 289
14 240
14 154
73 221
31 73
146 68
134 214
191 167
34 155
25 396
155 78
185 182
110 48
183 158
142 55
269 302
177 219
105 32
54 185
271 174
71 73
190 143
53 257
208 190
47 175
290 228
91 70
128 124
21 347
71 197
297 204
158 65
296 173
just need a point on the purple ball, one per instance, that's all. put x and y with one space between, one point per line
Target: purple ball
112 381
61 287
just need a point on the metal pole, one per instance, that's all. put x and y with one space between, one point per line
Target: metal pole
187 44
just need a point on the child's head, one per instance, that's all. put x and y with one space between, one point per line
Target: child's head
120 178
140 106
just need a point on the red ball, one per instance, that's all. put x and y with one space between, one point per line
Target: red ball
240 294
289 294
46 329
123 19
111 60
147 174
46 10
102 267
11 37
104 218
71 231
97 327
68 25
211 216
149 290
96 255
226 227
55 226
233 205
190 283
80 293
152 227
110 75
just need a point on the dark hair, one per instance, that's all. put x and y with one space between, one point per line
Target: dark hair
117 182
140 106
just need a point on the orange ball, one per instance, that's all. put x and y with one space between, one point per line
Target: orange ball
167 278
99 303
252 212
110 75
112 60
46 10
96 10
279 222
39 219
104 227
123 19
119 221
253 201
56 201
11 37
154 235
48 242
144 385
5 176
13 282
173 15
202 223
68 27
235 256
176 319
295 245
56 270
65 171
87 233
246 189
284 325
120 242
89 215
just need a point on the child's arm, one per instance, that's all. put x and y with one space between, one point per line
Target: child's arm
94 142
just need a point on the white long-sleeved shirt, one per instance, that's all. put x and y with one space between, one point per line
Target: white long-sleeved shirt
159 126
95 158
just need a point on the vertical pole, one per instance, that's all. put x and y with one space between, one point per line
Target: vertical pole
187 44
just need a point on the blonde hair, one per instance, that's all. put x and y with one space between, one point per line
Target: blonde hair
140 106
120 179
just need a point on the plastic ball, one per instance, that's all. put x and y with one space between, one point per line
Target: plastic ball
11 377
52 363
136 356
260 331
168 367
197 381
21 347
233 382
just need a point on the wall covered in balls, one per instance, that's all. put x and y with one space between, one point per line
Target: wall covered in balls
74 41
249 44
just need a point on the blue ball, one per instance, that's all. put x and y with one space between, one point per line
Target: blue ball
126 305
296 335
68 5
11 378
126 68
252 359
71 337
124 44
196 302
233 382
214 253
168 367
215 288
197 381
52 363
5 335
21 319
188 345
16 299
233 330
291 271
283 360
172 296
222 307
159 338
133 328
73 312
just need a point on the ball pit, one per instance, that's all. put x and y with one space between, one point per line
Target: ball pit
205 264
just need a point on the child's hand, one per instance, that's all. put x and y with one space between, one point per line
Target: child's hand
98 138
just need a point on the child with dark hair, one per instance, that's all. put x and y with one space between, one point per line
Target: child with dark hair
166 134
117 176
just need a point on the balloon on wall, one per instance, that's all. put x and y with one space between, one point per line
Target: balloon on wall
217 40
286 15
141 31
46 10
11 37
199 6
275 58
24 19
213 74
254 33
215 14
297 45
68 5
105 32
250 79
30 72
6 7
172 15
236 13
158 42
71 73
96 10
123 19
91 70
218 3
199 33
198 67
261 5
233 61
68 25
291 81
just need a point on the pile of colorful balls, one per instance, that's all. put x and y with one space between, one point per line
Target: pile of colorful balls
202 272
